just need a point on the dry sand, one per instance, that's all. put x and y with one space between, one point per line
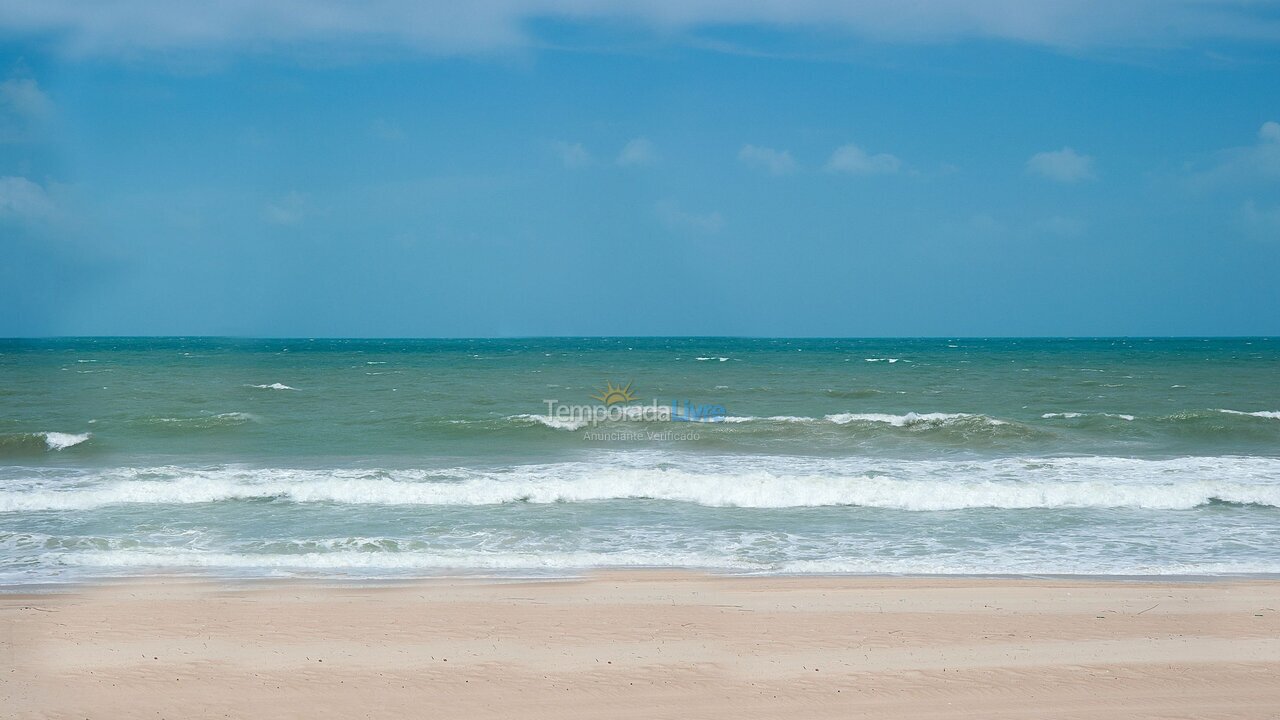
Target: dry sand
646 645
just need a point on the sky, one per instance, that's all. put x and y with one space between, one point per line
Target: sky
594 167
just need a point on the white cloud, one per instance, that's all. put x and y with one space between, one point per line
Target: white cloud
854 160
777 162
127 27
288 210
24 98
637 151
572 155
25 109
21 199
671 215
1250 162
1065 165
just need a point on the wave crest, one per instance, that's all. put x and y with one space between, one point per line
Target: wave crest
35 443
62 441
920 486
1269 414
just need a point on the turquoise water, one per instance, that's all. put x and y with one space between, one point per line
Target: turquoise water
389 457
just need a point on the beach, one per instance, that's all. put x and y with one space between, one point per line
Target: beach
644 644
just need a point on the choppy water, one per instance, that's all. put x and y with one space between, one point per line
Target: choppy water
387 457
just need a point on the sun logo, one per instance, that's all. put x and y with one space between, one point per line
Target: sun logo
612 395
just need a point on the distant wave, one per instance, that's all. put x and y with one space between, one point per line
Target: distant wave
218 420
721 359
853 394
913 485
1270 414
274 386
903 420
554 422
1073 415
911 418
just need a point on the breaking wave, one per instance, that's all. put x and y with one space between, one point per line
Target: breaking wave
1074 415
910 485
62 441
39 442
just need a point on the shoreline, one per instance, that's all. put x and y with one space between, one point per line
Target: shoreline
645 643
340 581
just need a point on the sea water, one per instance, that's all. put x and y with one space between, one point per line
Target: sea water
387 458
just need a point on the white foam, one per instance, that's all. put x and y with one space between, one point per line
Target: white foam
275 386
231 418
365 561
1070 415
1019 566
747 482
888 360
721 359
441 560
903 420
910 418
62 441
1271 414
555 422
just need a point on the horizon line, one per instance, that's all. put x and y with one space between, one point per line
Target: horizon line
309 338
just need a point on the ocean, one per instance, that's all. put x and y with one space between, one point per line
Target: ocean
394 458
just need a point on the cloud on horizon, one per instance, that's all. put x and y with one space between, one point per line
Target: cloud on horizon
24 200
1259 161
25 109
638 151
23 97
853 160
125 28
1064 166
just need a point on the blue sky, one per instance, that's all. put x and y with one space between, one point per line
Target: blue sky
593 168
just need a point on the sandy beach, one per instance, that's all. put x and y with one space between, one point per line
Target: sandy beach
646 645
